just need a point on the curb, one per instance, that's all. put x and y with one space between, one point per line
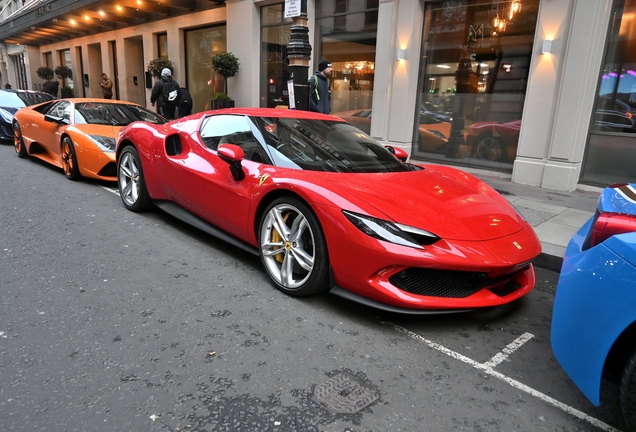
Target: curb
549 262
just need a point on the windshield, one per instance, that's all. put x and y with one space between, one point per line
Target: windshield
113 114
21 99
319 145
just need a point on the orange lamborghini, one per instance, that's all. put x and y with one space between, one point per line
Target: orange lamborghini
77 135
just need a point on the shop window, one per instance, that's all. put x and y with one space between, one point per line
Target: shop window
162 46
347 35
609 156
275 34
473 77
201 80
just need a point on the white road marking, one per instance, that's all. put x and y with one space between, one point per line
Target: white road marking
115 191
509 349
514 383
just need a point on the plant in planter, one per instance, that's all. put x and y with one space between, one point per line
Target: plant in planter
45 73
65 73
157 65
221 100
227 65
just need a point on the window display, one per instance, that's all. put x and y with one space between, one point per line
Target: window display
609 156
473 78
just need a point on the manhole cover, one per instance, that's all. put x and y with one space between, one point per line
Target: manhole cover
344 394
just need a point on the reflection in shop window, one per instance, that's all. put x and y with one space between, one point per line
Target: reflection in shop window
473 78
202 81
275 33
348 41
609 156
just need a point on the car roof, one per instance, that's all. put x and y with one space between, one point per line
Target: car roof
277 113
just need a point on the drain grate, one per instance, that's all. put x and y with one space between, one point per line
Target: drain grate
345 394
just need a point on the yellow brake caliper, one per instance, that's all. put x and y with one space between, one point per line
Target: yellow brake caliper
276 237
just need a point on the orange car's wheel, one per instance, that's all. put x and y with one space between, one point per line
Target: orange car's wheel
18 141
69 160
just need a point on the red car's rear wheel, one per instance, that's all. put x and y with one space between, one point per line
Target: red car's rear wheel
293 248
130 178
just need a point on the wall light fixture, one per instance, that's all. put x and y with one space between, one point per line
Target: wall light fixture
547 47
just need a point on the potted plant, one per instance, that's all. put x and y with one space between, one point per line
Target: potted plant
157 65
227 65
45 73
65 73
221 100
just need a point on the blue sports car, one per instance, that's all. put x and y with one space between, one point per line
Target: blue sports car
594 317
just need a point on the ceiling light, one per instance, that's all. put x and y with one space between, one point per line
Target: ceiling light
443 66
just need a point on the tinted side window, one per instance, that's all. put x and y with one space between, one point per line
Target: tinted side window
232 129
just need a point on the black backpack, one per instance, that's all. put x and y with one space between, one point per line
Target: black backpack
171 93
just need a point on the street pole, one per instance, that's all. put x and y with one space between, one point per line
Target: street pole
299 53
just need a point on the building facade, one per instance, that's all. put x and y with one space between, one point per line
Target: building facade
544 89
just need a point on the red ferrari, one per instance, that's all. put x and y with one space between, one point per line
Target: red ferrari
328 208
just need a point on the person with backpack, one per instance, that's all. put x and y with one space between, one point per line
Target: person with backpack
167 94
319 89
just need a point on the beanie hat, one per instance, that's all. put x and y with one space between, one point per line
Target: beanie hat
166 72
324 65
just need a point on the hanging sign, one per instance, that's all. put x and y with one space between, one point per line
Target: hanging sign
292 8
292 98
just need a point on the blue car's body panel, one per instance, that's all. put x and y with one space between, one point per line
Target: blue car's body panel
596 297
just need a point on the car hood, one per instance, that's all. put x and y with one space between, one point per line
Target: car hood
446 202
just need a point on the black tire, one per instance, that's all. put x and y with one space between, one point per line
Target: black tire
18 141
69 159
131 181
489 148
628 392
296 260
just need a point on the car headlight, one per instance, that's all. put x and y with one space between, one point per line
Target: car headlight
6 115
105 143
392 232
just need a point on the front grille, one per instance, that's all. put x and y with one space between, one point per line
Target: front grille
450 283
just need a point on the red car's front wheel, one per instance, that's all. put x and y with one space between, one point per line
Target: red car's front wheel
293 248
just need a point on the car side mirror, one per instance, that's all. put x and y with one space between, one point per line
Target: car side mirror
398 153
232 155
58 120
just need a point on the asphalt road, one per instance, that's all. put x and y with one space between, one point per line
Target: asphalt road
115 321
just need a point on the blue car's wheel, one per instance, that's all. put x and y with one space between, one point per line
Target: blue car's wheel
628 392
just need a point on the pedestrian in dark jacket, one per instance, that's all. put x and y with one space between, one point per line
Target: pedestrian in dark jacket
319 89
51 87
185 105
163 86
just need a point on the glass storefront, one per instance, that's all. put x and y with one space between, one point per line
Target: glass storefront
347 34
610 156
473 75
201 80
275 33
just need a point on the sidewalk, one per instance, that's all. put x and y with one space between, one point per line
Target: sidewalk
554 215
